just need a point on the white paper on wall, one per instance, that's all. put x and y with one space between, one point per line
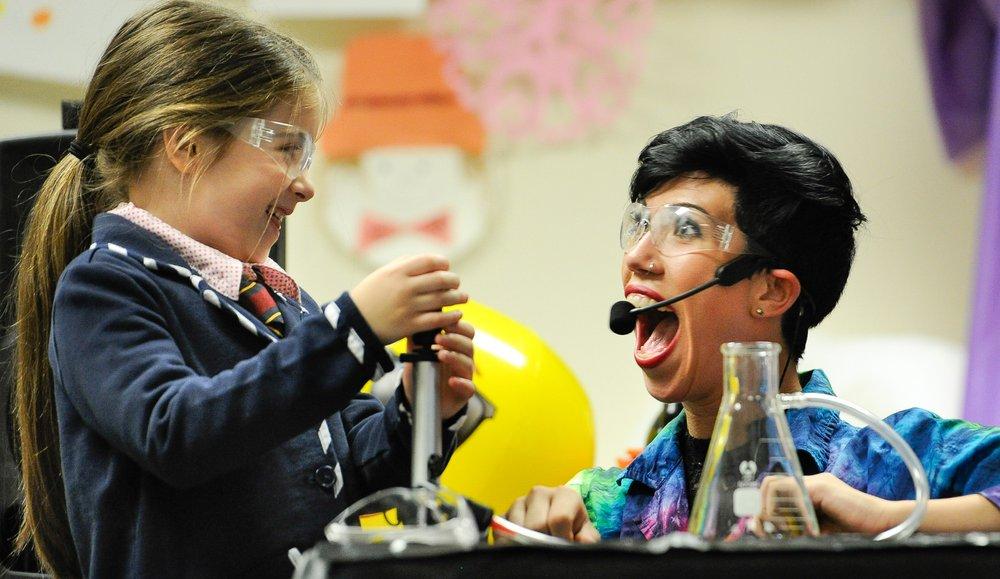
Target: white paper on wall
886 373
340 8
58 40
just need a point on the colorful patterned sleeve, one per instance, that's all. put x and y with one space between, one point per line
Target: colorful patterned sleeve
961 458
603 496
970 460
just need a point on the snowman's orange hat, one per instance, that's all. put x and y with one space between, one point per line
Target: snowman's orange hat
394 94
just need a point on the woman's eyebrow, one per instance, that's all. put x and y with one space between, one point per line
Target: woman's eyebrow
692 206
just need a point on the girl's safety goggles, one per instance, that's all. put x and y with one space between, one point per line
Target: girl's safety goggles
291 147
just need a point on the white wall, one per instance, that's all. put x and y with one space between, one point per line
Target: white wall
849 73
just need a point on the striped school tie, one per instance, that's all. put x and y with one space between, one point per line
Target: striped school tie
256 286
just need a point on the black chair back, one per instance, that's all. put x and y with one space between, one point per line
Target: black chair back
24 163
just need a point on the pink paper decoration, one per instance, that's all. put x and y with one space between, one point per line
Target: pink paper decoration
552 70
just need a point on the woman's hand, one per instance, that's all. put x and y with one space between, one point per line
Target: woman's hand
841 508
406 295
454 352
556 511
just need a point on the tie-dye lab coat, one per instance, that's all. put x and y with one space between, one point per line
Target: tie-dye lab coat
648 499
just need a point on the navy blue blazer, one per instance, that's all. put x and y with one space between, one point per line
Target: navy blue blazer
193 441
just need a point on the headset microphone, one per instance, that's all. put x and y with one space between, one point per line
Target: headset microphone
623 313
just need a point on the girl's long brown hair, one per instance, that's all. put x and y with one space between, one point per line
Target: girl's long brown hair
176 64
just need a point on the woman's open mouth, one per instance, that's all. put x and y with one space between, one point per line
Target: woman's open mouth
656 332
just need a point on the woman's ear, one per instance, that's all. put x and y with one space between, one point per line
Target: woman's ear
181 149
774 292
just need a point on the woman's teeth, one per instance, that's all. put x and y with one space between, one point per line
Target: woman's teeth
640 300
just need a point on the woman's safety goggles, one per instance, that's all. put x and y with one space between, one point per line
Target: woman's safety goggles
679 229
289 146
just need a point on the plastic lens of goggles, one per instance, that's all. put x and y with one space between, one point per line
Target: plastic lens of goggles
290 146
675 229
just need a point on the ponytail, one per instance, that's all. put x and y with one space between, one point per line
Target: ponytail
58 229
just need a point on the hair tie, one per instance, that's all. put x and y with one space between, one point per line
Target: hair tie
80 150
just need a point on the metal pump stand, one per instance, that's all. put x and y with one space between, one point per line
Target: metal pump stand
426 414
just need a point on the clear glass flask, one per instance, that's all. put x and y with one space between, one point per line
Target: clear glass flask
752 483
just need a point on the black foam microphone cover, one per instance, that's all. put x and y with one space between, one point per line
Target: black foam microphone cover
622 319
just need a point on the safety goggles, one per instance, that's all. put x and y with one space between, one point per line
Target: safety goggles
680 229
291 147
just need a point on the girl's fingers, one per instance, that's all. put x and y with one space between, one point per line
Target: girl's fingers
457 364
462 328
433 282
435 301
434 319
454 343
462 387
422 264
451 298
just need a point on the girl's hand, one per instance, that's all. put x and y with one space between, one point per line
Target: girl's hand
406 295
454 352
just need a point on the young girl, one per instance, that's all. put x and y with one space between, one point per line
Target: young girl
183 408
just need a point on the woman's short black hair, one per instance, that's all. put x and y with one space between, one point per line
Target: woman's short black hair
792 197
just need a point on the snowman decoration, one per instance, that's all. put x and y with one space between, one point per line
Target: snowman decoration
403 155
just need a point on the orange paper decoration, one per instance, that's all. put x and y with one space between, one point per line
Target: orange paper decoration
41 17
394 94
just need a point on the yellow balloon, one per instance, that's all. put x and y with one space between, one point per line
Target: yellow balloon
542 429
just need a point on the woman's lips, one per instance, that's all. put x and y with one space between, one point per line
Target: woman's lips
634 288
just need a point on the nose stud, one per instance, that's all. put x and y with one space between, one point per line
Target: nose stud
652 264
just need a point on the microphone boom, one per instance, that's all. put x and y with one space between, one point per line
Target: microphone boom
623 313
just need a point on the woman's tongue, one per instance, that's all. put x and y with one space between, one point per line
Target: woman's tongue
661 335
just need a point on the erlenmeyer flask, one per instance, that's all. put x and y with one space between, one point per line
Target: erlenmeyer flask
752 483
751 444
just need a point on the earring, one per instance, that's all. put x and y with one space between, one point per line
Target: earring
759 312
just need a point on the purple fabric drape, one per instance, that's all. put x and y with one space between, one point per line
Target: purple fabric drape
960 37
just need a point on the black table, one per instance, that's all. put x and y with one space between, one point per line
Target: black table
957 556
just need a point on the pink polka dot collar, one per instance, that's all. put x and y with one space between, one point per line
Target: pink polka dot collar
219 270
